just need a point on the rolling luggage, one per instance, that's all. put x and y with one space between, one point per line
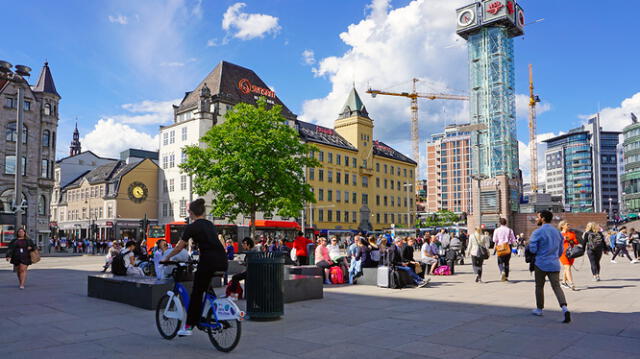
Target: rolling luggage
383 276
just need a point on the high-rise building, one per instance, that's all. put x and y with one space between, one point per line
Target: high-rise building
449 170
631 176
489 27
582 168
38 152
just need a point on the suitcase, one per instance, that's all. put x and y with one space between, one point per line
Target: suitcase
383 276
399 279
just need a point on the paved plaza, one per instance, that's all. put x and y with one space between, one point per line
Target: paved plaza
453 318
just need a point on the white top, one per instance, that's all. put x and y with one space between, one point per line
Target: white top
334 251
127 257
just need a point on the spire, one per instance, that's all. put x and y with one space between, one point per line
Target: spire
353 106
45 81
75 147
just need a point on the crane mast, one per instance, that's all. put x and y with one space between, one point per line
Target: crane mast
533 146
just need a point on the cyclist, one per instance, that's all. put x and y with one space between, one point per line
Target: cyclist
212 259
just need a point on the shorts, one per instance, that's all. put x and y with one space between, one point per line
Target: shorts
429 260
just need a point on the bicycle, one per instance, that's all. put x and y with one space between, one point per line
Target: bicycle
221 318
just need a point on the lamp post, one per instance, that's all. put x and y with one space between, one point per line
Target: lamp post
17 77
407 190
610 212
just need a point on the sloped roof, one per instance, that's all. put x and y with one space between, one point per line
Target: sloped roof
318 134
353 106
45 81
381 149
225 82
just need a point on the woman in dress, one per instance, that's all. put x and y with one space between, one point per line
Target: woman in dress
19 253
570 240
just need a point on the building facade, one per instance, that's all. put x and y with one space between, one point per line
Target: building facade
581 168
631 176
111 197
449 171
363 183
38 148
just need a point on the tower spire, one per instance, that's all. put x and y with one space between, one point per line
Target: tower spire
75 147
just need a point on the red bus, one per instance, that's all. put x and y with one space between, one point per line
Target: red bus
7 234
170 232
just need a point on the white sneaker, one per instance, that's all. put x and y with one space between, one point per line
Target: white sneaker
185 332
634 261
612 261
537 312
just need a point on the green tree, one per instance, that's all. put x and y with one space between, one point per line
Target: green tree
252 162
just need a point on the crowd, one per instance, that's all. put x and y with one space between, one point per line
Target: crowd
81 245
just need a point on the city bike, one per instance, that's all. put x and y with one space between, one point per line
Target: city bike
221 318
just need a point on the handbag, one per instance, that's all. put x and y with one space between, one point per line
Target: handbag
503 249
483 252
418 268
293 255
574 251
35 256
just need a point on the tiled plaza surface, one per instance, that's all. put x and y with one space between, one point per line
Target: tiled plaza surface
453 318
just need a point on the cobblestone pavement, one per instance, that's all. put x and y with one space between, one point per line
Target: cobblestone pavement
452 318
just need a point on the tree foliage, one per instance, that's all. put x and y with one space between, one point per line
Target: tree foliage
441 218
252 162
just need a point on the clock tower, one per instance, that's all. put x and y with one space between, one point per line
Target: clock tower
75 147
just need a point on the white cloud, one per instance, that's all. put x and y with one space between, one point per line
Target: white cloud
616 118
522 107
196 10
212 42
245 26
119 19
524 150
147 113
308 57
178 63
109 137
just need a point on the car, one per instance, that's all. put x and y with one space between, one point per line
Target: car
632 217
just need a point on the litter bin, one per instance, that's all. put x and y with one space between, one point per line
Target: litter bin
264 285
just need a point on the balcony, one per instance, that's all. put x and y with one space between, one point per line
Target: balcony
366 171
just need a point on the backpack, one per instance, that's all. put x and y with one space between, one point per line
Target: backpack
337 277
595 240
234 290
442 270
118 267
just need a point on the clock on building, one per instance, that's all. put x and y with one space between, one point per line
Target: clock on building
138 192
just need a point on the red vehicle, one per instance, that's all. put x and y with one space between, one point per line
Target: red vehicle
170 232
7 234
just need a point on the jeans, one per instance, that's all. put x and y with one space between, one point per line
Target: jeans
503 264
354 269
476 263
416 278
554 279
621 248
594 258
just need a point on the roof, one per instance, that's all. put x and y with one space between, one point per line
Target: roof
323 135
86 152
233 84
45 82
353 106
137 153
381 149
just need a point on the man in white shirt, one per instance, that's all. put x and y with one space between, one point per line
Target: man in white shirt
130 260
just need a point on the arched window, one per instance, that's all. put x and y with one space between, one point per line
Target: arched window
47 109
46 138
42 206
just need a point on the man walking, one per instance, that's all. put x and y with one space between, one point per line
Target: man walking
621 242
546 244
503 237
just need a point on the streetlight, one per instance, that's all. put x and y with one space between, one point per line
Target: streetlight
17 77
610 212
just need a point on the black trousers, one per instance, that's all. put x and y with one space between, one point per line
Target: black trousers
303 261
594 258
476 263
622 248
636 250
201 282
554 279
503 264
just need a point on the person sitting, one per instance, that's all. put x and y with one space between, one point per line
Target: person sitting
407 256
130 259
375 252
323 260
277 246
111 253
158 255
336 255
396 260
429 253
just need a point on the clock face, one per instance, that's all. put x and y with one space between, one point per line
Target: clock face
466 17
138 192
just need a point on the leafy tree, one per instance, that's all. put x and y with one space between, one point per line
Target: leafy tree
441 218
252 162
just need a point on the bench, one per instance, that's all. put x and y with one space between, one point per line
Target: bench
369 276
299 287
304 270
141 292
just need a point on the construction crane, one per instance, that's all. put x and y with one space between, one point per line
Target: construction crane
414 96
533 146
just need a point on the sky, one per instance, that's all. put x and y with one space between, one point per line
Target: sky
119 65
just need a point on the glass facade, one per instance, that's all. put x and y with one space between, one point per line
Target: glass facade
631 178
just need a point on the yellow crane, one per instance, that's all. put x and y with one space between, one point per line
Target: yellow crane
533 145
414 96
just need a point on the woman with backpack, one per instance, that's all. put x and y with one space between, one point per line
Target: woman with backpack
595 245
479 251
570 240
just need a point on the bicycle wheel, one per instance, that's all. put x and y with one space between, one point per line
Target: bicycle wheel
168 327
226 338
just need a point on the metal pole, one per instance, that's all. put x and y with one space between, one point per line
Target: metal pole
18 174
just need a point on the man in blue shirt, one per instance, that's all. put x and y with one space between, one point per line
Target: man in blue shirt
546 244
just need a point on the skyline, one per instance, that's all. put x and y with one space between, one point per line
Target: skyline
120 66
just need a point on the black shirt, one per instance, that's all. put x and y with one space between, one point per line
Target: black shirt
205 235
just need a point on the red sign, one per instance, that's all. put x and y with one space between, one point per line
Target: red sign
521 18
53 224
495 7
246 88
109 224
510 8
324 130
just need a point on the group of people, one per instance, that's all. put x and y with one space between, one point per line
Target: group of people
81 245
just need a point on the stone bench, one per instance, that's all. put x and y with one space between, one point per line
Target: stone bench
142 292
299 287
369 276
304 270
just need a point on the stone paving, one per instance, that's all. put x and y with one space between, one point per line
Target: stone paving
453 318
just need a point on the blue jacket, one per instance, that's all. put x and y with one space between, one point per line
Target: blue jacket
621 239
546 244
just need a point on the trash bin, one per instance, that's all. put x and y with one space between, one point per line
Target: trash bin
311 253
264 285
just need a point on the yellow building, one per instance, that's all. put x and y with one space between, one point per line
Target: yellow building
363 183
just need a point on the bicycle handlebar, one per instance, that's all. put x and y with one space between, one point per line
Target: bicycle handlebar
179 263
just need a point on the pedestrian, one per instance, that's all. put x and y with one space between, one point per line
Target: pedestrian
622 240
478 244
50 244
19 254
569 241
300 244
595 245
546 244
634 238
503 238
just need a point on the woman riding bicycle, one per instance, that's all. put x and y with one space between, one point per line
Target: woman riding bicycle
212 259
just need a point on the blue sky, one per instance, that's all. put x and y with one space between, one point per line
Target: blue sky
125 61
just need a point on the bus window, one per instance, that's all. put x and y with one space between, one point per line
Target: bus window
175 233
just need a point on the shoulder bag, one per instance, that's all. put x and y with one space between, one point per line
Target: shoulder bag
35 256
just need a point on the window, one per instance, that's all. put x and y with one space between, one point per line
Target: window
377 200
100 212
354 198
84 213
165 161
330 176
385 171
46 138
404 172
378 218
346 178
165 209
172 136
338 177
329 157
311 174
321 156
165 138
346 216
329 195
337 216
378 182
42 206
377 167
338 159
354 179
184 133
346 196
391 170
24 166
320 194
110 211
165 188
353 216
45 169
384 200
354 162
320 175
10 133
399 187
329 215
183 183
183 157
171 185
385 183
183 207
320 215
27 105
9 102
172 160
47 109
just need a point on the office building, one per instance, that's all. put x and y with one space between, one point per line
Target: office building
631 176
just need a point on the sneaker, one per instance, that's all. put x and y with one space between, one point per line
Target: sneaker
424 283
634 261
327 282
504 278
595 278
598 277
187 331
565 285
567 317
612 261
537 312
